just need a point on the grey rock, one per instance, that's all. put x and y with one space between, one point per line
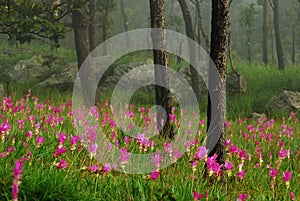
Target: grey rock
287 101
35 69
63 79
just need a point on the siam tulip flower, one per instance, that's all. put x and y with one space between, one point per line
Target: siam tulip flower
287 177
273 173
201 153
15 191
292 196
62 139
156 160
242 197
94 168
176 154
11 149
17 171
198 196
282 154
73 141
154 175
227 124
106 168
241 174
194 165
4 154
168 148
59 152
124 156
93 149
233 149
40 140
62 164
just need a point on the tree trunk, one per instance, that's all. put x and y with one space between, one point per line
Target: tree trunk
265 31
218 54
201 30
125 18
105 30
293 44
279 50
87 77
195 77
160 57
92 24
80 26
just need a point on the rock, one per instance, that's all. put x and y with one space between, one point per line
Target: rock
256 115
2 91
236 83
287 101
63 79
35 69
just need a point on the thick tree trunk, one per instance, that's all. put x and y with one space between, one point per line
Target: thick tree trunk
195 77
80 27
160 57
92 24
265 31
125 18
87 77
218 54
279 50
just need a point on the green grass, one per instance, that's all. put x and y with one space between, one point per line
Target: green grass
42 180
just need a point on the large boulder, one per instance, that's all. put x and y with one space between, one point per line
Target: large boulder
35 69
63 79
286 101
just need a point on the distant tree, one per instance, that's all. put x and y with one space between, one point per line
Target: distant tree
160 56
265 31
124 15
92 24
247 20
279 49
195 77
218 54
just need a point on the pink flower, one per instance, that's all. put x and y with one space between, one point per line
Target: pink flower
106 168
241 174
15 191
17 171
94 168
154 175
93 149
228 166
242 197
198 196
59 152
124 156
156 160
282 154
62 164
40 140
62 138
287 176
201 153
292 196
11 149
273 173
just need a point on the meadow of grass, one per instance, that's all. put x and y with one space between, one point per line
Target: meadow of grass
44 157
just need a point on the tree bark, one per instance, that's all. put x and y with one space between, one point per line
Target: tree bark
163 95
218 54
195 77
92 24
81 36
279 50
265 31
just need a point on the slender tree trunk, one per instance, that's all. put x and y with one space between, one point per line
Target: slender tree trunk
279 50
265 31
105 30
163 95
249 49
195 77
92 24
218 54
293 44
125 18
201 30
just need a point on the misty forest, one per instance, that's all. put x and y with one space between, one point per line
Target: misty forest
149 100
